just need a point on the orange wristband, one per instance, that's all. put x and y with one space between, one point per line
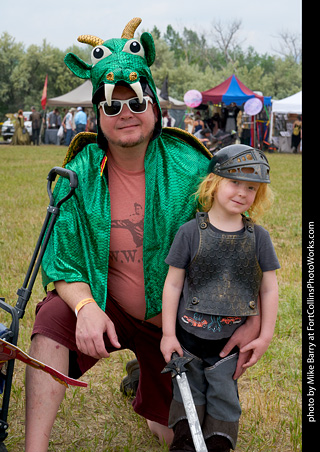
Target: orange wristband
83 303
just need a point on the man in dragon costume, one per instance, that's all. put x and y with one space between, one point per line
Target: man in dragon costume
106 254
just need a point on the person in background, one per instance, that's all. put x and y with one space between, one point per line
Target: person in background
215 123
20 135
198 124
230 117
35 118
80 120
296 134
92 123
54 119
189 123
167 120
69 127
205 136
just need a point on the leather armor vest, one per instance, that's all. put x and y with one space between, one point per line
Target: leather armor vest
224 277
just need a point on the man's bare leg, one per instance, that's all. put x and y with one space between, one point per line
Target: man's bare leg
43 393
165 434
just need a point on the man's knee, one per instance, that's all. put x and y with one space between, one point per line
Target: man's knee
41 342
49 351
164 434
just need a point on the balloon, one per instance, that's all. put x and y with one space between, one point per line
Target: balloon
253 106
193 98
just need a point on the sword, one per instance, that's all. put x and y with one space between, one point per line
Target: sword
178 371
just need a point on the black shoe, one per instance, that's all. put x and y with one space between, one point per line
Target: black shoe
218 443
129 384
182 440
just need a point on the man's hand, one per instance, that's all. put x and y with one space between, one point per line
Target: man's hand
242 336
257 347
92 323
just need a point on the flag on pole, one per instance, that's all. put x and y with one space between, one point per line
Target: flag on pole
44 93
164 90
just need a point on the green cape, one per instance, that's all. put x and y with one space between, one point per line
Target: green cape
78 249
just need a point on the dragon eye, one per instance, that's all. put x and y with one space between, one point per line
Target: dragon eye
134 47
98 53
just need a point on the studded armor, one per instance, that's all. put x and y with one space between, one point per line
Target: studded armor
224 277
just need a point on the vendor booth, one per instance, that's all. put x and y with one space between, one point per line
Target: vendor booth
232 95
283 113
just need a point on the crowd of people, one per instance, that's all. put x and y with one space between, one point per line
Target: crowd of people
225 126
218 130
75 120
54 127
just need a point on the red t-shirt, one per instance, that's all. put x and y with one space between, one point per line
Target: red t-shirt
126 279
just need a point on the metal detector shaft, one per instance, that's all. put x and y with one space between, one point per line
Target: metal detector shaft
53 211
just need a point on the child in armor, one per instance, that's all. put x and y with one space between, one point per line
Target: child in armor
220 265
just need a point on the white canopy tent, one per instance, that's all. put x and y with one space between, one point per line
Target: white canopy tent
81 96
288 105
291 104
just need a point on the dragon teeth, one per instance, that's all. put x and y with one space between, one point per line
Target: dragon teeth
138 90
108 91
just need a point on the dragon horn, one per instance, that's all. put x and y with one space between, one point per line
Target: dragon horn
130 28
92 40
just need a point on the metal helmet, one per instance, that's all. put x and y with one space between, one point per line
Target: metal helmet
240 162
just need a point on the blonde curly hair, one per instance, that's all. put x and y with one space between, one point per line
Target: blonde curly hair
209 185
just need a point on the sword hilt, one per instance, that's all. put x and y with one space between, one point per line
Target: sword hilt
177 365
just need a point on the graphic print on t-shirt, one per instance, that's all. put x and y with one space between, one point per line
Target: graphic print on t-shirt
134 224
213 323
126 260
129 231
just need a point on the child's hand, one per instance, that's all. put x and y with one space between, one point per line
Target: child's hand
168 345
258 347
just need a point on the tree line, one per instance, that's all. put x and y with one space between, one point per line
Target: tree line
187 58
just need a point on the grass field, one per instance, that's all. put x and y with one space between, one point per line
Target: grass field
99 418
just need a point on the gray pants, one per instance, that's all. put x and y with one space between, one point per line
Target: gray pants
215 395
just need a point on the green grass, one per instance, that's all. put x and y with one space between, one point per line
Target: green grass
99 418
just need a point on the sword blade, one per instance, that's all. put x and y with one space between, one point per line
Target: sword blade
191 413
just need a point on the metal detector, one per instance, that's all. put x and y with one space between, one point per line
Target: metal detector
10 334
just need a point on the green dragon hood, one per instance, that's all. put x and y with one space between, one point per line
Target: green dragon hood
117 60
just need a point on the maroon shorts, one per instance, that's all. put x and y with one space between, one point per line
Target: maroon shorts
54 319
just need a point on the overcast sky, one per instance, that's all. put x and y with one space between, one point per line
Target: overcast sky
60 22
